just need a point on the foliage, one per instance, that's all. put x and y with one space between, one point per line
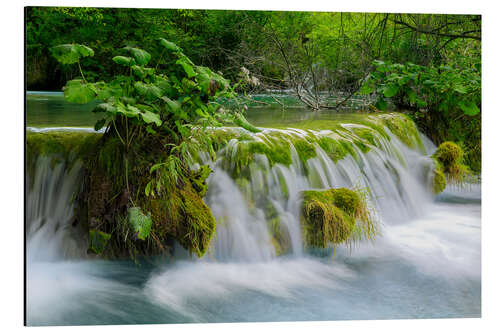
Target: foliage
440 88
140 223
444 100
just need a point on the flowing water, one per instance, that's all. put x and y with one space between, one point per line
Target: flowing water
426 262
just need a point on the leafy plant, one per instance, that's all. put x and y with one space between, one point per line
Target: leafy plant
442 88
151 115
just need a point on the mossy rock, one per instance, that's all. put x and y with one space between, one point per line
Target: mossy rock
331 216
449 160
183 215
448 153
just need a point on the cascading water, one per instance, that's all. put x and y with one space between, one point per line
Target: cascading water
423 245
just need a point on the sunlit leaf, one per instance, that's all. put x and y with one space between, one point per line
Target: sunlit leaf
469 108
169 45
71 53
139 222
124 61
141 57
78 91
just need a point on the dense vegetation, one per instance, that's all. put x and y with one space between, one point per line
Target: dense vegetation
436 59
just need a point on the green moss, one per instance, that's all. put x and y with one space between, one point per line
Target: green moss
404 128
198 225
335 216
334 148
366 134
448 153
62 147
199 179
438 181
449 158
305 149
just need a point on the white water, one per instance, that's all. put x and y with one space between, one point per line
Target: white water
425 263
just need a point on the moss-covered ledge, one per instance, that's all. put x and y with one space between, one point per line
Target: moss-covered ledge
115 230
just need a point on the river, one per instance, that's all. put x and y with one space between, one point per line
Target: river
426 262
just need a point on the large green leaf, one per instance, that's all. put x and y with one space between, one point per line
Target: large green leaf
98 240
169 45
128 111
71 53
139 222
148 90
367 88
390 90
124 61
174 106
78 91
105 107
188 68
141 57
469 108
151 117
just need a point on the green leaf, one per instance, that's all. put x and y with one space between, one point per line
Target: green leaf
105 107
124 61
241 121
150 117
187 67
98 240
429 82
149 90
141 57
140 223
390 90
169 45
367 88
71 53
174 106
469 108
105 91
150 130
78 91
147 190
128 111
460 89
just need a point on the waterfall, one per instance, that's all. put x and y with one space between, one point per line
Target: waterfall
50 231
244 198
394 175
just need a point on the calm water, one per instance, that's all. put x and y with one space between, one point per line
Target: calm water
425 264
51 110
